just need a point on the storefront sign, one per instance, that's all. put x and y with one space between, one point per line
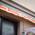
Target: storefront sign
30 31
8 10
30 18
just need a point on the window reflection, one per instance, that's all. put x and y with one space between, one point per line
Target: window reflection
7 28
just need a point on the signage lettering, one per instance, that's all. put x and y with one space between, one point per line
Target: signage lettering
8 10
15 13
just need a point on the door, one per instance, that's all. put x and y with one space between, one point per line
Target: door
8 27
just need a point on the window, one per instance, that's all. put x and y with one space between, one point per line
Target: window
8 28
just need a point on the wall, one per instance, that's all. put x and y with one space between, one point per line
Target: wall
27 3
28 25
24 25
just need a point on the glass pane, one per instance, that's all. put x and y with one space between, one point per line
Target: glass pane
7 28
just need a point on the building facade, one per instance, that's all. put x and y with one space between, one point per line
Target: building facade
14 21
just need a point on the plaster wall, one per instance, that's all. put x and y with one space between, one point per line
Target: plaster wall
24 25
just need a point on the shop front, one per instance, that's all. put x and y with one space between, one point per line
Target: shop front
8 22
14 22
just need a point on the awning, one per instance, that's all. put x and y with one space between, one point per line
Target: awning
12 10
